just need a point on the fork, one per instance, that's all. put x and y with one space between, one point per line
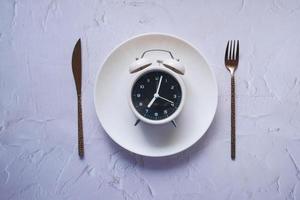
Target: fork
231 63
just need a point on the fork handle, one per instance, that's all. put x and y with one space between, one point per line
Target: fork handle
80 128
232 118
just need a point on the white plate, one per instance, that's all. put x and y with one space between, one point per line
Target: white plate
116 117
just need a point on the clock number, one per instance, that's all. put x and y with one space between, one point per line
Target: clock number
165 112
148 80
156 78
156 114
172 87
138 95
142 86
174 96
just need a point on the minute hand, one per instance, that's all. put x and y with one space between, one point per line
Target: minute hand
159 83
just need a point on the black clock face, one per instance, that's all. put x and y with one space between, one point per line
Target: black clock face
156 95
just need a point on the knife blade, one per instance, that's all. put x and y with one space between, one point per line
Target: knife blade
77 73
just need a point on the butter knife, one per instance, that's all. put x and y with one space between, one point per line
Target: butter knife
77 73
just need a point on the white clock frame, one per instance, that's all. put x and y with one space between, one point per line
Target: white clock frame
183 93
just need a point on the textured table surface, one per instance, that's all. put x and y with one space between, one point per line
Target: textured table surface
38 151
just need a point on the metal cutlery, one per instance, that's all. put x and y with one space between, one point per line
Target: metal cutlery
231 63
77 73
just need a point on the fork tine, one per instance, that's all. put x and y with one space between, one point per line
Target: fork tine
233 51
230 50
226 52
237 51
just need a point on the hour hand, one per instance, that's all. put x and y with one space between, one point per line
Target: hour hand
151 102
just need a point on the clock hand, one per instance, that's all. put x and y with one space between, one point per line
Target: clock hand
158 87
151 102
166 99
155 96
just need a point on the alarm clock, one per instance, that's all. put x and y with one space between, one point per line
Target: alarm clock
157 91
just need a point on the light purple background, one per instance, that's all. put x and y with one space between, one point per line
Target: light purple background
38 127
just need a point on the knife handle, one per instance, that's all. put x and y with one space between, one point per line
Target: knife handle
233 139
80 128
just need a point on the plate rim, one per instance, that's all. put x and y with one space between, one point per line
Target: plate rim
164 35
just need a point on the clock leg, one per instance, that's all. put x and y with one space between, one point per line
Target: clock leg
137 122
174 123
